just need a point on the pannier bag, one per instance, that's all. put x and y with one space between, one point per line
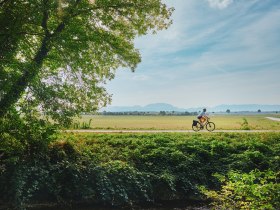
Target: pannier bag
195 123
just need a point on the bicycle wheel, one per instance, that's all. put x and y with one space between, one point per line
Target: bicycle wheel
196 127
210 126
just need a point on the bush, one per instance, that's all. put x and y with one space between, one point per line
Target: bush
125 169
23 154
254 190
245 124
118 183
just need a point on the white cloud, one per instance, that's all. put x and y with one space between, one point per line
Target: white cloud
229 56
219 4
140 78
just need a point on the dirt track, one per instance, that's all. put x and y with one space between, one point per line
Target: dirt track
273 118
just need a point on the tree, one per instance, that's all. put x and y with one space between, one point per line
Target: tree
57 55
259 111
162 113
228 111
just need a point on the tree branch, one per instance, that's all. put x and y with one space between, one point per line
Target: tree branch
30 72
115 6
44 23
3 2
23 33
62 25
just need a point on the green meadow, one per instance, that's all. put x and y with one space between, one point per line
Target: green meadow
223 122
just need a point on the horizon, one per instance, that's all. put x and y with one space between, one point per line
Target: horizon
198 106
232 57
156 107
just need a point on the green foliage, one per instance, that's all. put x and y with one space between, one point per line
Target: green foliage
119 183
126 169
58 54
81 125
254 190
23 152
245 124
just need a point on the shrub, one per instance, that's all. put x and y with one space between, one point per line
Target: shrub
118 183
23 154
83 125
245 125
254 190
124 169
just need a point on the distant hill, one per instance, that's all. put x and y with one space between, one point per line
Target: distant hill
157 107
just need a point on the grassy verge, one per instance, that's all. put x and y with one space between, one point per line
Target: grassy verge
128 169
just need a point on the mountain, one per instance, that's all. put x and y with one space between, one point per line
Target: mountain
162 107
157 107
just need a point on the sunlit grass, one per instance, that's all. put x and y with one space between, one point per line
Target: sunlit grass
223 122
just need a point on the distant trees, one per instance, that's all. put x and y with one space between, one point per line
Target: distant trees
162 113
228 111
138 113
259 111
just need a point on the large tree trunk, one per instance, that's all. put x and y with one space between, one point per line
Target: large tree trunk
19 86
30 71
9 98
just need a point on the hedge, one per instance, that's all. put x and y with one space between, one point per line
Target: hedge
126 169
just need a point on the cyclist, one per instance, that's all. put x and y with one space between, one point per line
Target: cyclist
202 116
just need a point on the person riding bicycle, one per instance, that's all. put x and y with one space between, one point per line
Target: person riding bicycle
203 121
202 117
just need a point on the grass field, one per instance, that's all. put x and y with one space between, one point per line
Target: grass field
223 122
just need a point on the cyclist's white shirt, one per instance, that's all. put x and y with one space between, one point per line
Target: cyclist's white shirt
202 114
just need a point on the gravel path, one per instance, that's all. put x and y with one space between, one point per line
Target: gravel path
168 131
273 118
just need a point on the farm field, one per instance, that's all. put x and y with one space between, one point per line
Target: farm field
223 122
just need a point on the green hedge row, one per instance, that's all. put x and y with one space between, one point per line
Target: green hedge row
125 169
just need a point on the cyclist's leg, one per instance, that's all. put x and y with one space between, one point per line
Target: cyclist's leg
199 119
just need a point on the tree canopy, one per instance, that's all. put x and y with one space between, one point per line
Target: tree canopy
56 55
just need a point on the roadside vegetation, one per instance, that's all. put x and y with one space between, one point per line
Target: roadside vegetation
134 169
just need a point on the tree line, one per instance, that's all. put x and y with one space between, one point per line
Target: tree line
160 113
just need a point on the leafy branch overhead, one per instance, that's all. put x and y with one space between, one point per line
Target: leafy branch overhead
57 54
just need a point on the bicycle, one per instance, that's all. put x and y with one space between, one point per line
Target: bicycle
197 126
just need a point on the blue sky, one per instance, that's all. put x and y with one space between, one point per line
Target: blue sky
216 52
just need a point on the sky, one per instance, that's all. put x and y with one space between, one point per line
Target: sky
216 52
